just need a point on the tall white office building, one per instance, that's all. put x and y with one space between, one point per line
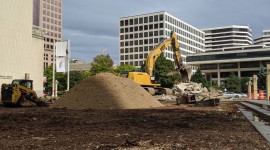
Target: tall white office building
264 39
227 36
139 34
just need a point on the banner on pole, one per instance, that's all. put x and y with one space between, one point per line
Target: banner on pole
61 64
61 48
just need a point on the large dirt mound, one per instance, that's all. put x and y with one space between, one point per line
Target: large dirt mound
107 91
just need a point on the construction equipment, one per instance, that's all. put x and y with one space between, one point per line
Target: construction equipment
20 93
146 79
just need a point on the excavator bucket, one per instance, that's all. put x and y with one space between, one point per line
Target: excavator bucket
185 74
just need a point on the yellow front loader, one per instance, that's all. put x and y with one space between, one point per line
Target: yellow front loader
20 93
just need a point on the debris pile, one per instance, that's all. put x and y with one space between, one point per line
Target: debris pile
164 97
195 93
106 91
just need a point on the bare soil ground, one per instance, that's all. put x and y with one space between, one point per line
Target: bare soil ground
170 127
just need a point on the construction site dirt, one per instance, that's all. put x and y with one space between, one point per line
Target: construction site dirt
168 127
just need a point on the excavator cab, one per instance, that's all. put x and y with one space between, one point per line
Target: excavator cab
26 83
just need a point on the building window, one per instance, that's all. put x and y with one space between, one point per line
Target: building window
145 19
140 20
145 34
136 20
140 28
151 19
156 26
161 17
136 35
131 21
121 23
121 50
141 49
150 27
122 57
156 18
146 27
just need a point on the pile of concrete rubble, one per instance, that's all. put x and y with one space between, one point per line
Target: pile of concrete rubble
195 93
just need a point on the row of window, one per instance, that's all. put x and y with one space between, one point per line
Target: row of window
228 42
53 34
141 35
227 30
53 21
52 27
228 38
263 42
141 28
238 55
141 20
227 74
53 2
158 40
141 42
228 34
51 7
52 14
145 49
133 63
142 56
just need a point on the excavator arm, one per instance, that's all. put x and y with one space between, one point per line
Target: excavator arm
155 53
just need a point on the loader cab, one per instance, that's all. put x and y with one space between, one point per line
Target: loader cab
25 83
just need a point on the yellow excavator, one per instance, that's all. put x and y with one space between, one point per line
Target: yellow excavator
20 93
146 79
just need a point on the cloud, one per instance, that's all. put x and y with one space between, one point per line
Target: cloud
93 25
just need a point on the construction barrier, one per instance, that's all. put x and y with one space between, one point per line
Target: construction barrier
261 95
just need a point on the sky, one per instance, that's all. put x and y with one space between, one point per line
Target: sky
93 25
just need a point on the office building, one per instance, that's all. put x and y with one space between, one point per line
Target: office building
227 36
21 45
264 39
141 33
47 14
244 61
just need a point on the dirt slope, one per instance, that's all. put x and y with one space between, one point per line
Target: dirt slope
107 91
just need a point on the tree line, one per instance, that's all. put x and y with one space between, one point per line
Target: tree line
164 72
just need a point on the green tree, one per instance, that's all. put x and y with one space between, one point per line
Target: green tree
262 78
101 63
244 86
122 68
233 83
48 73
163 72
198 77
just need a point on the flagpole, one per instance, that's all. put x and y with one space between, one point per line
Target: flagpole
68 67
53 80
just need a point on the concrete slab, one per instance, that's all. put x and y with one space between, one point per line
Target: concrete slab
261 126
262 102
260 110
